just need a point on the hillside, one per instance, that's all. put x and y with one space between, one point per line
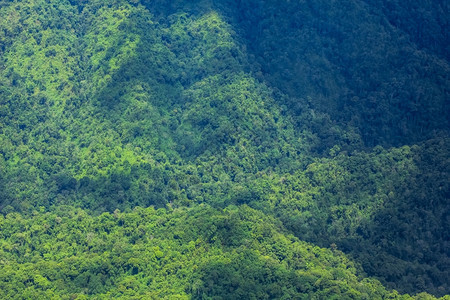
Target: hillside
280 149
234 254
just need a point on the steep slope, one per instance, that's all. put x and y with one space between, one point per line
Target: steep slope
379 66
271 104
140 95
389 209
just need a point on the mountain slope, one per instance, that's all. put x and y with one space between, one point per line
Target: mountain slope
379 66
180 254
272 105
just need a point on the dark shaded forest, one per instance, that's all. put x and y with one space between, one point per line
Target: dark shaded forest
224 149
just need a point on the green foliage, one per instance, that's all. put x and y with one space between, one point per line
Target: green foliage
375 206
204 108
379 66
158 254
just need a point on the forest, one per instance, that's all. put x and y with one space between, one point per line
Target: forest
205 149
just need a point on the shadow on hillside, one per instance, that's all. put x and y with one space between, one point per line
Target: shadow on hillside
406 245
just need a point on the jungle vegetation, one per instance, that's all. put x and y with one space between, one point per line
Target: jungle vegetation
204 149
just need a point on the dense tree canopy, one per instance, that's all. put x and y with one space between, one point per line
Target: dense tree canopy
224 149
